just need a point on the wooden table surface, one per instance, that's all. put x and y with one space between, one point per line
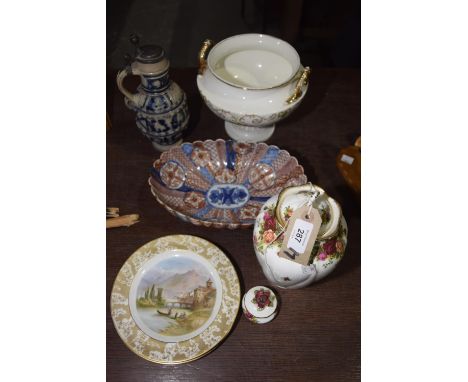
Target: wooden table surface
316 335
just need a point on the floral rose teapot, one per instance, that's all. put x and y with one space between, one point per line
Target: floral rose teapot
271 228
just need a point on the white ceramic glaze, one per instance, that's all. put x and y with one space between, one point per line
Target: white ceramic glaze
253 61
247 83
328 249
260 305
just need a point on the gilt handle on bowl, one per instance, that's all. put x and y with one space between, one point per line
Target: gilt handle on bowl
207 44
301 82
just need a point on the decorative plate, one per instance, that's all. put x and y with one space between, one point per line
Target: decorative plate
175 299
222 183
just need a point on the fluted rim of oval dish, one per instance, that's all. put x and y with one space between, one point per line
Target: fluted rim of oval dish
285 82
198 222
207 223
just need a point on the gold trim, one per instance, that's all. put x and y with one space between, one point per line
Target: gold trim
135 337
282 196
286 82
281 85
303 81
207 44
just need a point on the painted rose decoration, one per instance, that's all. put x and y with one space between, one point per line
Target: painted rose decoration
270 233
249 315
269 236
270 222
263 298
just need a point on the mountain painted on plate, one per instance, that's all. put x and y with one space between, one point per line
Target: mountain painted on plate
174 284
179 284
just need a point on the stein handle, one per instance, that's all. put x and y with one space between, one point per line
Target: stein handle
207 44
120 77
301 82
335 209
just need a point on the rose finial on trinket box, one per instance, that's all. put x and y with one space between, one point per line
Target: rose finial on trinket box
260 305
262 298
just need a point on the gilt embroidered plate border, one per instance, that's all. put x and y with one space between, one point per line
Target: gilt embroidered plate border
184 351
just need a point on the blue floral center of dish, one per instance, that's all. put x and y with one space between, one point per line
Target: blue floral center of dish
227 195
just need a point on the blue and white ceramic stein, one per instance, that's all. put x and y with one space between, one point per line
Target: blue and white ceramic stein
160 104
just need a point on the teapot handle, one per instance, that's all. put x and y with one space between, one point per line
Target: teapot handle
120 77
301 82
335 209
207 44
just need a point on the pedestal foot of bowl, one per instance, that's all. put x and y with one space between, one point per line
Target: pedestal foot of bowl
248 134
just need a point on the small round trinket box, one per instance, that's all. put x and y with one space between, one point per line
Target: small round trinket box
260 305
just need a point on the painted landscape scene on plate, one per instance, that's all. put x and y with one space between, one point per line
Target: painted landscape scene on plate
176 296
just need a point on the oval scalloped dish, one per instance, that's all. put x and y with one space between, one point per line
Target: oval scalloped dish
222 183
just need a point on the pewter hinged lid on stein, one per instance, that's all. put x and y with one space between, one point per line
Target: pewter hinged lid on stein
148 59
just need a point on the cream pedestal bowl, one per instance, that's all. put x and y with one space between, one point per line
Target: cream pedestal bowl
251 81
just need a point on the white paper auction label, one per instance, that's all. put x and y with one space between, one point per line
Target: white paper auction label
300 235
347 159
